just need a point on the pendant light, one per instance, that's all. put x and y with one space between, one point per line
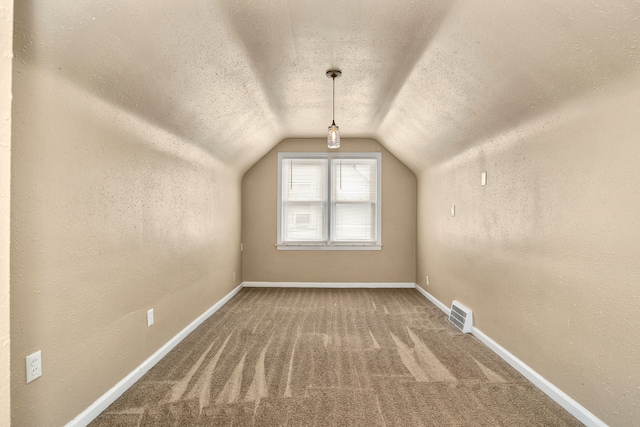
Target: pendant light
333 137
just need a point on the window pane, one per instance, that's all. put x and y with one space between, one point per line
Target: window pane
354 180
327 198
304 222
304 179
354 222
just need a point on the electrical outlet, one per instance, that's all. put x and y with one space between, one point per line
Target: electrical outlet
427 280
150 317
453 210
483 178
34 366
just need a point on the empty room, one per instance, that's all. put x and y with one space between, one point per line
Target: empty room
299 212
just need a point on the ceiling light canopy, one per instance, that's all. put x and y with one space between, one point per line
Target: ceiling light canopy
333 137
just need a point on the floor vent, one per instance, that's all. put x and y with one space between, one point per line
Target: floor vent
461 316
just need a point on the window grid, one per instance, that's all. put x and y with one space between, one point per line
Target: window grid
347 216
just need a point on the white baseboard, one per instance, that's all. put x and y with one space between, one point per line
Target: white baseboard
434 300
103 402
328 285
574 408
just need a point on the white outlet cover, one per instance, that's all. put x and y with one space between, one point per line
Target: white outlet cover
427 280
34 366
483 179
150 317
453 210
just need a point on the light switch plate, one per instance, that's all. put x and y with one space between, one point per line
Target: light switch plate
453 210
483 179
150 317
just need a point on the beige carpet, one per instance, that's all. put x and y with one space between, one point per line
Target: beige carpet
323 357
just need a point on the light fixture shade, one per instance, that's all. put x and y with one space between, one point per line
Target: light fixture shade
333 137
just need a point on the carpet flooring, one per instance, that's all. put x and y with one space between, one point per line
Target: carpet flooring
332 357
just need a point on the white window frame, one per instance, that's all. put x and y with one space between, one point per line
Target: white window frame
329 244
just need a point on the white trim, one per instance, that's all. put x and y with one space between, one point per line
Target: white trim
328 202
103 402
434 300
343 247
328 285
574 408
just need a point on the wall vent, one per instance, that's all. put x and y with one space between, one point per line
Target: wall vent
461 316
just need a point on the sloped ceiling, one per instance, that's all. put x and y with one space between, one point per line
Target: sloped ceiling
428 79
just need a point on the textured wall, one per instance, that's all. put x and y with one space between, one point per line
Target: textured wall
546 254
263 262
111 216
6 37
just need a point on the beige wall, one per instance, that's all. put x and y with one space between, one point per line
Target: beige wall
6 38
111 216
546 254
263 262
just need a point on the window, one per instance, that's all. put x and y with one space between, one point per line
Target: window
329 201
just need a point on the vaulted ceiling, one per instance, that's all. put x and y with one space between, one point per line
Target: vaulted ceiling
428 79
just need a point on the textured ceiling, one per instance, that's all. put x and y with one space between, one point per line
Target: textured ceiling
428 79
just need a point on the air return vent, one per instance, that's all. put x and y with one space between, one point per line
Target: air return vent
461 316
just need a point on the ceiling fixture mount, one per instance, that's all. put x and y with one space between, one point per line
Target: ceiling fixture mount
333 137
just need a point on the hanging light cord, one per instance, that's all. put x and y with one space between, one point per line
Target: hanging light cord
333 136
333 112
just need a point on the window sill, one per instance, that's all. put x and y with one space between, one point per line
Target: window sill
282 247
